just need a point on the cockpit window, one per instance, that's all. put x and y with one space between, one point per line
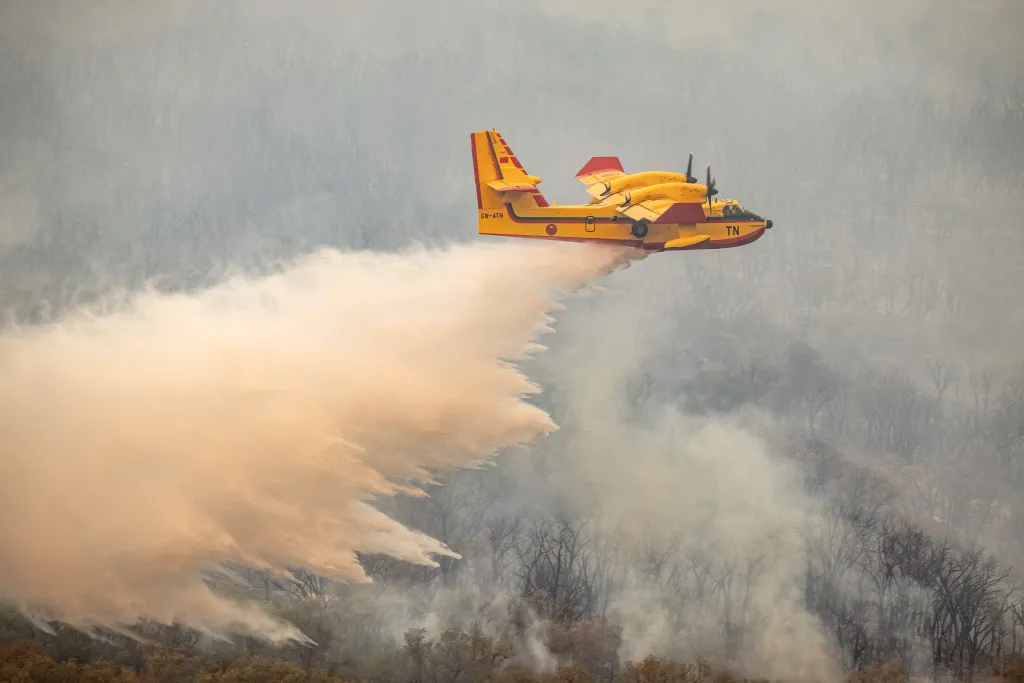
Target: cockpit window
737 211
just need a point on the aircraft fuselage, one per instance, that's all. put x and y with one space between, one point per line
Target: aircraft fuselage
603 223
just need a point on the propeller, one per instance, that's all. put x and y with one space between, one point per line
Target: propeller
689 169
711 187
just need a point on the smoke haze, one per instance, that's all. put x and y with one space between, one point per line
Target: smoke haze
674 510
255 421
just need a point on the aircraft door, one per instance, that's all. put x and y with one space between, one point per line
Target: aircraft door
589 224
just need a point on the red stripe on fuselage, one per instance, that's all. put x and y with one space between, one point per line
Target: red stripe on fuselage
554 219
639 244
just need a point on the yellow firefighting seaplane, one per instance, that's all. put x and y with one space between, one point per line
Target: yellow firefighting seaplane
652 210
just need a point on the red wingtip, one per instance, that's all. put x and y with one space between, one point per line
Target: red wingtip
683 212
599 164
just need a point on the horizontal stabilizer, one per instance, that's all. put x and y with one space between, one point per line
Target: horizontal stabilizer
498 175
683 242
683 212
505 186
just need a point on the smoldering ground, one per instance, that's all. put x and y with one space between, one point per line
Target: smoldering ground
707 523
254 422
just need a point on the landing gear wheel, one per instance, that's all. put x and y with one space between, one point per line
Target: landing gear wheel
640 229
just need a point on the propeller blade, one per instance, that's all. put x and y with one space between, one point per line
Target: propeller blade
708 184
689 170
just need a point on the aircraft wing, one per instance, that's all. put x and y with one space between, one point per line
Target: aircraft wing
665 211
645 210
598 171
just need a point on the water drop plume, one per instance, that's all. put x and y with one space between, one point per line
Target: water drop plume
255 421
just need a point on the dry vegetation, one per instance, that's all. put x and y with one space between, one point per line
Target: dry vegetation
456 658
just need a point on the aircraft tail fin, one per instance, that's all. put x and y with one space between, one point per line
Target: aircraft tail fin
499 176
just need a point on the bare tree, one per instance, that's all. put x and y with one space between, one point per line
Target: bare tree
941 374
555 568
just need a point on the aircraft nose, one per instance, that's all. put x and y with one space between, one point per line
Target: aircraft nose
768 224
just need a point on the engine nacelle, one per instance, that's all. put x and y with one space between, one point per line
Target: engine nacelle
632 180
677 192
